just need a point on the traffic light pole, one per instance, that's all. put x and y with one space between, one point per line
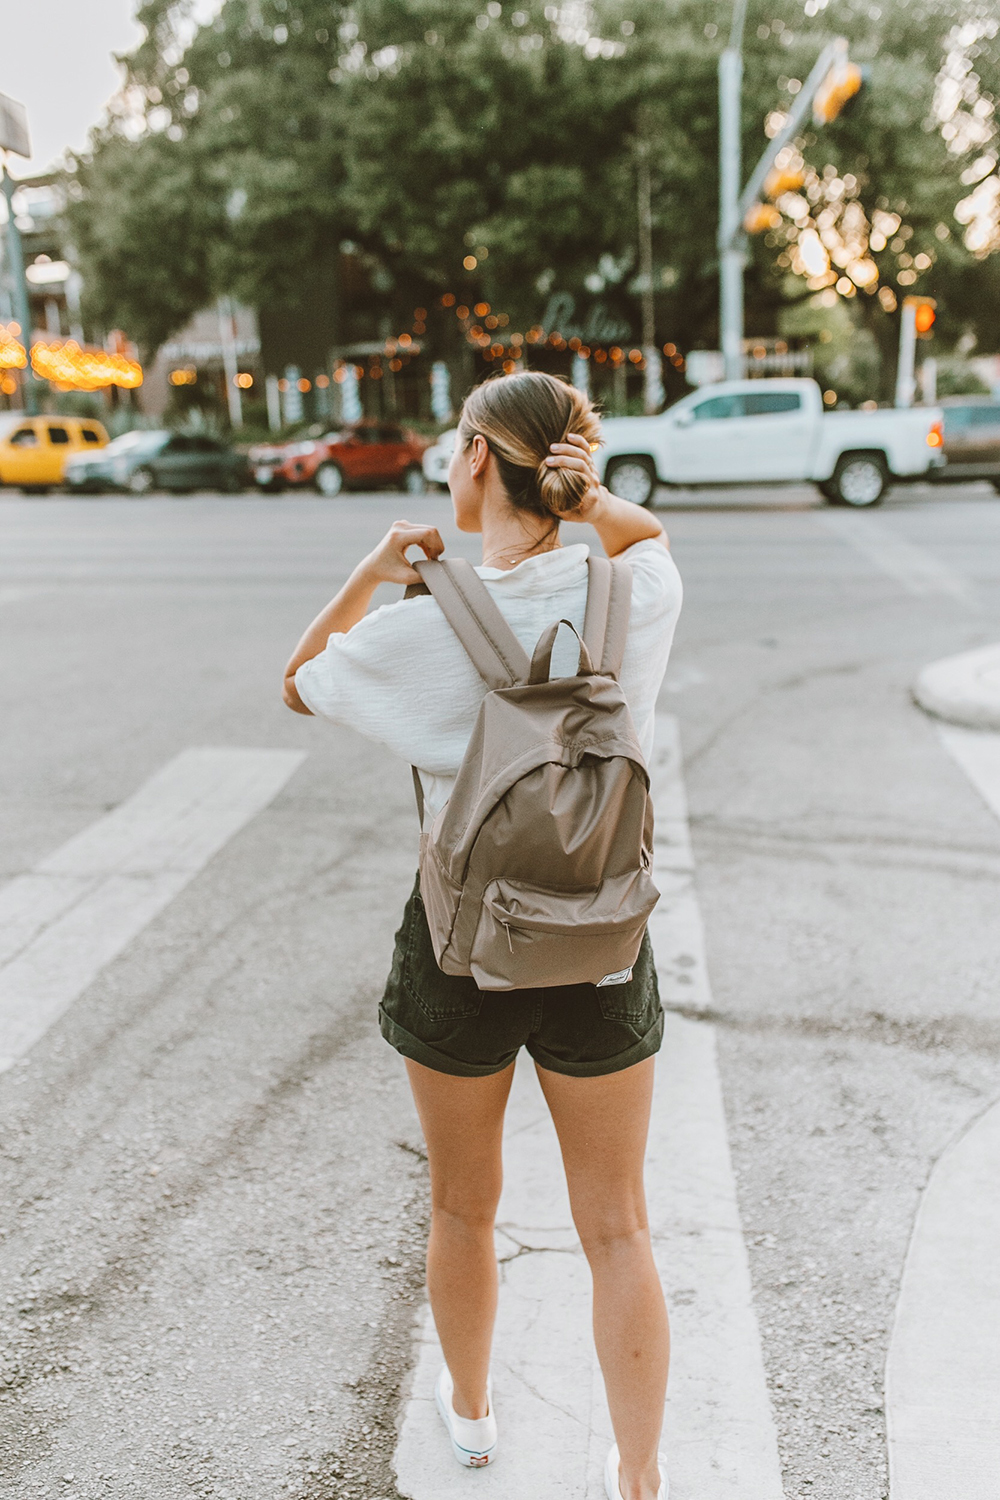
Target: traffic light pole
22 307
734 205
732 242
906 381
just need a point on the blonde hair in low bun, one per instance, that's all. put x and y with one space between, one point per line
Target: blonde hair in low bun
520 416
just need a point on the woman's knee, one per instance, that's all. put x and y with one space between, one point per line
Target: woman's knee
472 1206
613 1229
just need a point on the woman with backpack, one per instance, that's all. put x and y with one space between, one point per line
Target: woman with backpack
528 747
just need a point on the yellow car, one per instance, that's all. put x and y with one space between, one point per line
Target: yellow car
34 450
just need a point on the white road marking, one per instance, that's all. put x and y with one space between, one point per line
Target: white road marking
978 753
914 568
943 1369
13 593
555 1432
84 903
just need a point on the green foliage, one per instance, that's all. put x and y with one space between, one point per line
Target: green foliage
418 132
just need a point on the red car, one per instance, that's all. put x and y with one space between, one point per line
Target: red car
365 455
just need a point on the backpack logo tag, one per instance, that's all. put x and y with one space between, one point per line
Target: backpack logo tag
621 976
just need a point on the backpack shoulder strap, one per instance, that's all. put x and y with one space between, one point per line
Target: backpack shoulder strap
609 604
467 605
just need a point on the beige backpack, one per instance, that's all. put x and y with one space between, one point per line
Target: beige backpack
536 872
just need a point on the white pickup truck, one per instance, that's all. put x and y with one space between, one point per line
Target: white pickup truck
769 432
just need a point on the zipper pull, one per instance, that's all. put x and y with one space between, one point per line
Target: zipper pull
506 928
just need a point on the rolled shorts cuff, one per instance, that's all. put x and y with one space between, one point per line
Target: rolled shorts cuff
647 1046
412 1047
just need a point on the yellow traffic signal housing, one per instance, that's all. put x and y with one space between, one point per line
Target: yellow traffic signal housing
923 315
839 88
779 180
761 217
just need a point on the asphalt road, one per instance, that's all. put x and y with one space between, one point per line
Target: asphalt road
212 1178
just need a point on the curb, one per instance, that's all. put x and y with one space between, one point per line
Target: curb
963 689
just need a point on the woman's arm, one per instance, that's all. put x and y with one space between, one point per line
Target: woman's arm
387 564
618 523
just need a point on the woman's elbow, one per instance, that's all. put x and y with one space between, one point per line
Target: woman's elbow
290 695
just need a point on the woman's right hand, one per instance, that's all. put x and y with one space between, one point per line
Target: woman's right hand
388 564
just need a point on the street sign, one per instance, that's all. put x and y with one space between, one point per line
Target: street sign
14 127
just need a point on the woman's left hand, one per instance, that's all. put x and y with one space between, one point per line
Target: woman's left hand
388 563
575 453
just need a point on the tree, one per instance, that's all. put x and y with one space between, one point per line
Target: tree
412 136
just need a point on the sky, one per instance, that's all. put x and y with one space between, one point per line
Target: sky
56 59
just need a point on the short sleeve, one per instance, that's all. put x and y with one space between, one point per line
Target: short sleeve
400 678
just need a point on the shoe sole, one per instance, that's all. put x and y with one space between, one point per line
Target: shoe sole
469 1460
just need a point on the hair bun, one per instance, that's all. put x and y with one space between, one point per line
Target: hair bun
560 490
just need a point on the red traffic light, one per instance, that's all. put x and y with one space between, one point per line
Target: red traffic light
923 314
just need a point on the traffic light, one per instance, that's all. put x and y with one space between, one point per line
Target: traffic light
780 180
923 315
839 88
761 217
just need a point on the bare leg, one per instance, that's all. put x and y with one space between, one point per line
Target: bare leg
602 1125
462 1120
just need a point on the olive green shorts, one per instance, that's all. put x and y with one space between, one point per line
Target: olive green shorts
446 1022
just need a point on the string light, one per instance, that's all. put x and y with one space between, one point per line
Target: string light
71 368
12 353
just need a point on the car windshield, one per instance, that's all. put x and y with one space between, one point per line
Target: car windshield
136 442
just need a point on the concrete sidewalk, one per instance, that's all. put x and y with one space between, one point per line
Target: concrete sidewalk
963 689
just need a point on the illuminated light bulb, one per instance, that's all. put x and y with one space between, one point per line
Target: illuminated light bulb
470 263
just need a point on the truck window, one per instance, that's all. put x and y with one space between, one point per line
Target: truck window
770 403
24 437
58 435
90 435
718 407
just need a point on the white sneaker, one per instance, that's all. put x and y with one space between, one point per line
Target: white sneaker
473 1442
613 1489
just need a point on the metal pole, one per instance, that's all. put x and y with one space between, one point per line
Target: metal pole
653 386
905 383
731 253
229 361
21 304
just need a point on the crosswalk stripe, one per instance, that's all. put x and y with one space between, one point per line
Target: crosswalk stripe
943 1368
977 751
914 568
555 1431
84 903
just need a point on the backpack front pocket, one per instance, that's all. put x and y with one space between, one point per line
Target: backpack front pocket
529 937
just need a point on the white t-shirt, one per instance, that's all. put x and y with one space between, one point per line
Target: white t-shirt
401 676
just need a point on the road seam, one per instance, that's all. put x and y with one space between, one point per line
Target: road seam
914 568
81 906
554 1428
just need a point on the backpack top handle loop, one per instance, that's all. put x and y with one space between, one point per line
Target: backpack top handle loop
541 661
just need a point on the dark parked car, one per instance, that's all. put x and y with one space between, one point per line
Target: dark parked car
140 462
971 440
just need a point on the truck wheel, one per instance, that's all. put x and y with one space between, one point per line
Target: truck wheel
632 478
329 480
859 480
